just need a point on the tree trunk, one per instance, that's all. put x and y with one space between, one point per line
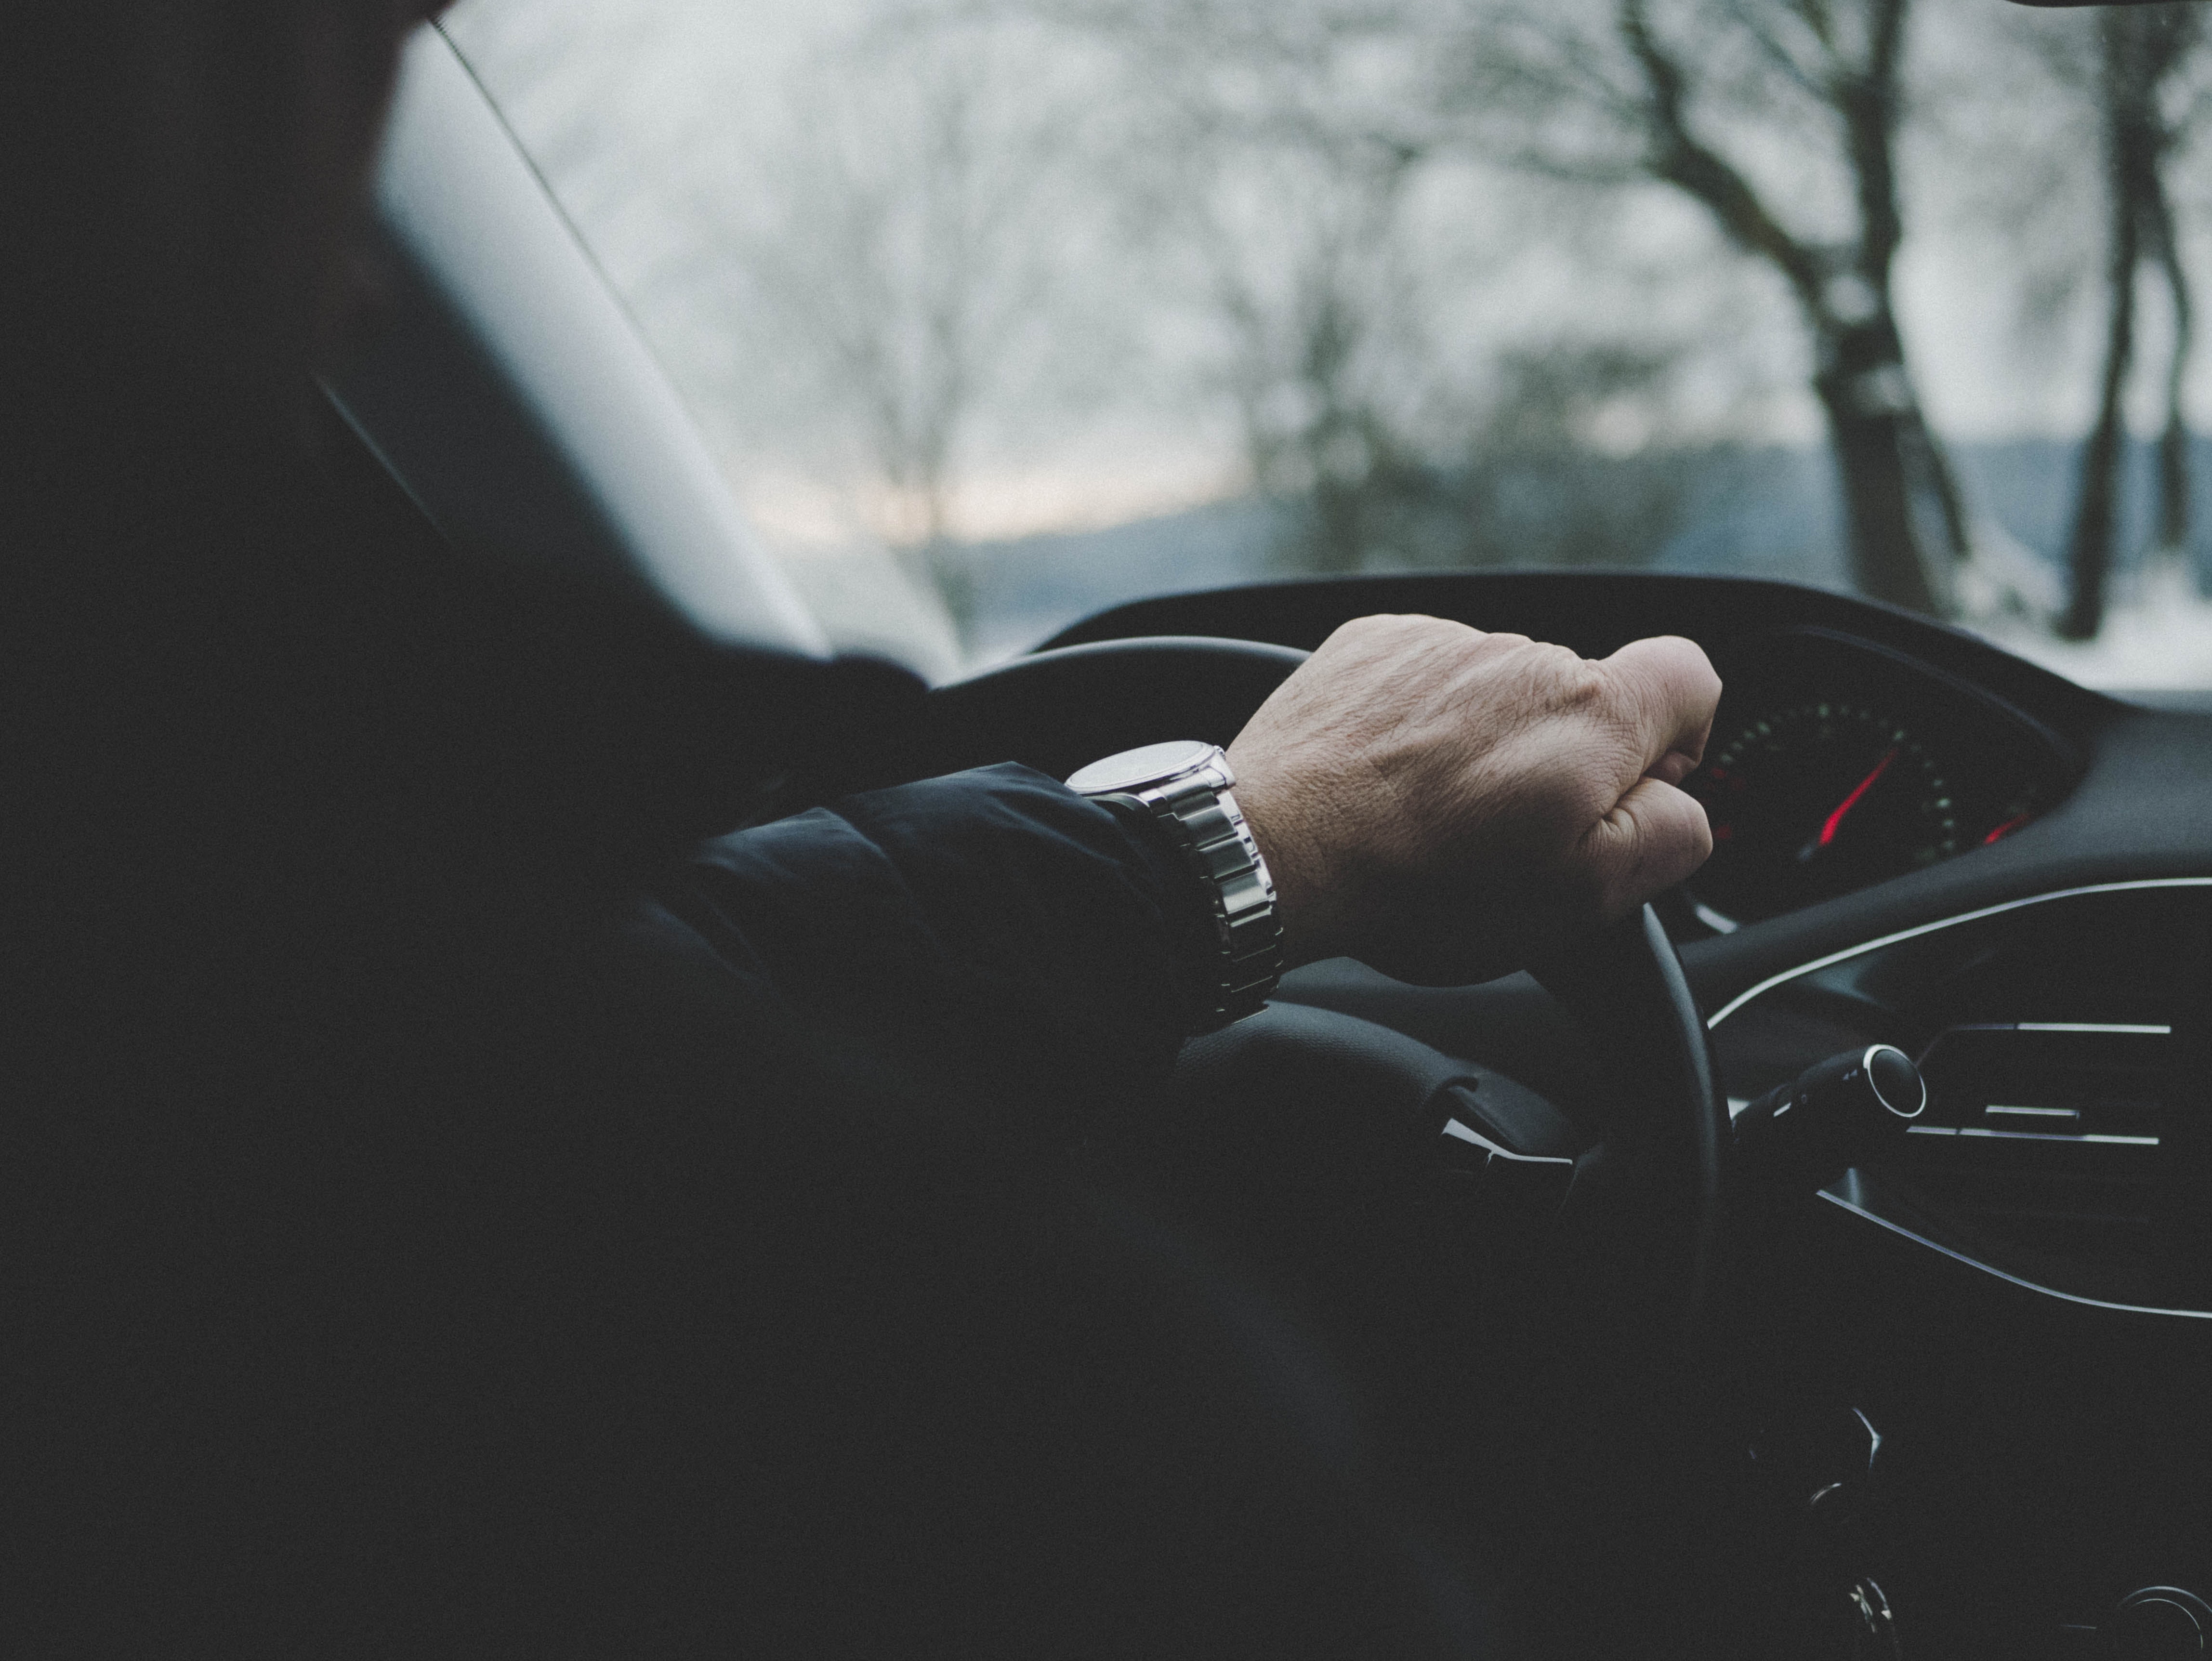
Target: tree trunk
1941 484
2089 550
1885 547
1876 432
2173 476
2173 443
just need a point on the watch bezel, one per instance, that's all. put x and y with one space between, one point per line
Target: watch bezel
1121 773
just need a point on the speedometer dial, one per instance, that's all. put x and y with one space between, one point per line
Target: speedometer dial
1814 800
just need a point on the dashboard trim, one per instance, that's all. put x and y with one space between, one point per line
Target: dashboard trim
2139 885
1958 1257
1764 986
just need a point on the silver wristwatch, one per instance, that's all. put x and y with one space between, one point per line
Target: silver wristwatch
1184 788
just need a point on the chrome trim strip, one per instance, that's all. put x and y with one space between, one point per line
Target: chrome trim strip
1874 1437
2024 1135
2036 1112
2057 1026
2027 1286
1850 952
2091 1027
1459 1132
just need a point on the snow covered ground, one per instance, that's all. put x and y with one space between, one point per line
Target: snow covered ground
2157 637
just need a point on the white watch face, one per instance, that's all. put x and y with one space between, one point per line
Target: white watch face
1134 768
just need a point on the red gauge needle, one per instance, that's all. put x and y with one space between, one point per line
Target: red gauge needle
1834 821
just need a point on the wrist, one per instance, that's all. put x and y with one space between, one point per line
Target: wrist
1309 896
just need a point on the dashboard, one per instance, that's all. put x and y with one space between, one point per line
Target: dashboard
1924 841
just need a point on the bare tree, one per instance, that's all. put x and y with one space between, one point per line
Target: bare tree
1301 159
894 256
1267 174
1318 316
2141 55
1606 97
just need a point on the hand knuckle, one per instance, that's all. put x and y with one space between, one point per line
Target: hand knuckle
1577 683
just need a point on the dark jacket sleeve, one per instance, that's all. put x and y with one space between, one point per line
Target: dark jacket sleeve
989 925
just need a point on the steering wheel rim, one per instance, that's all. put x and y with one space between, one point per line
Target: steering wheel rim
1625 986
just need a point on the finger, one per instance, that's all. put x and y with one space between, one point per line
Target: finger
1671 691
1654 836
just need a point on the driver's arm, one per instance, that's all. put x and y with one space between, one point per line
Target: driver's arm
987 924
1442 803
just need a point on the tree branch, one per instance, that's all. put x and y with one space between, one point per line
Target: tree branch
1681 159
1867 102
1772 47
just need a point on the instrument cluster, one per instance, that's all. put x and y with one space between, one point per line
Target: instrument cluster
1835 763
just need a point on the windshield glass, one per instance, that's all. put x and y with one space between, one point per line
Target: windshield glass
1003 313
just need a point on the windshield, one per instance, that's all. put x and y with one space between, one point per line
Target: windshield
1000 313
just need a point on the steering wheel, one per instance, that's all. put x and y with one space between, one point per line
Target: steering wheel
1319 1115
1660 1123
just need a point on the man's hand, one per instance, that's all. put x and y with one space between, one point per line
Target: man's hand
1448 806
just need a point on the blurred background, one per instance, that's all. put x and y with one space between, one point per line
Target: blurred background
1004 311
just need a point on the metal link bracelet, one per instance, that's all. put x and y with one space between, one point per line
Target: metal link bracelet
1184 788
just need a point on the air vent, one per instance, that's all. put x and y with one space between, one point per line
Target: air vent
2081 1089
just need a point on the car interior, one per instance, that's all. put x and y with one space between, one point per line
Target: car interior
1817 1264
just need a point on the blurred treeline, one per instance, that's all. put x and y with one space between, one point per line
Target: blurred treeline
1483 282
